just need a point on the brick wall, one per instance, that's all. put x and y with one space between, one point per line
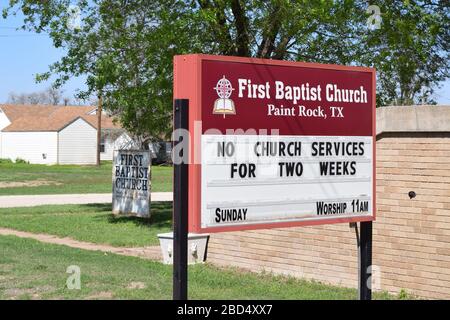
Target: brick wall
411 240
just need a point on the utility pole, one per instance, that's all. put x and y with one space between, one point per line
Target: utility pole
99 128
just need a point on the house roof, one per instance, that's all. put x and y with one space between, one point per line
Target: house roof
107 122
13 112
50 118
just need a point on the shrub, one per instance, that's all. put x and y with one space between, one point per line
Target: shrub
5 160
403 295
20 160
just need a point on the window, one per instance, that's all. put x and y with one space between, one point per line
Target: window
102 145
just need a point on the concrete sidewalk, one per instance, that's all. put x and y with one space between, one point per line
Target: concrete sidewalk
37 200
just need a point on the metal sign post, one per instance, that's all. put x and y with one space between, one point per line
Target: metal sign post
365 261
180 208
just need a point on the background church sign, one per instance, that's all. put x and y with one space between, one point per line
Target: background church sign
131 183
277 143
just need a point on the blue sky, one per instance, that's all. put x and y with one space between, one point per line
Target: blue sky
24 54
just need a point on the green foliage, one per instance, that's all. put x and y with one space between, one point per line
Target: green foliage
404 295
410 50
5 160
126 47
20 160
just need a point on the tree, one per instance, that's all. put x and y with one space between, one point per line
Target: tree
410 50
50 96
125 47
54 96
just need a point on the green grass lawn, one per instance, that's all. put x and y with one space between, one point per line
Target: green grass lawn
91 222
43 179
33 270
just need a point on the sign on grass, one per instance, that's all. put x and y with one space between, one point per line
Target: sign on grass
131 183
277 143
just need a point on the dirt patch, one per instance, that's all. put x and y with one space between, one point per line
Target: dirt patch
4 268
31 183
17 293
14 293
152 253
101 295
136 285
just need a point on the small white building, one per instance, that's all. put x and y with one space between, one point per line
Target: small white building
57 134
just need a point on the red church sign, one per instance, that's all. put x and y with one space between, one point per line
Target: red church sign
276 143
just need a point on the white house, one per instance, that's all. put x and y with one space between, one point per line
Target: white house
56 134
114 141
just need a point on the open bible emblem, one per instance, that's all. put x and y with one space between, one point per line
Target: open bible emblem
224 105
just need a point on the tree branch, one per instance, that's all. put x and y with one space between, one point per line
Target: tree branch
267 45
220 27
241 23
